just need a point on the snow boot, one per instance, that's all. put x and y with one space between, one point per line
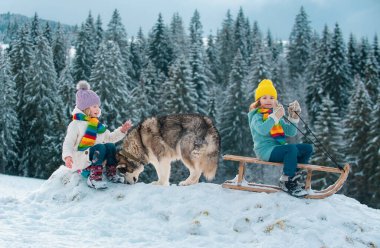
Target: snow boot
291 186
112 176
302 177
94 180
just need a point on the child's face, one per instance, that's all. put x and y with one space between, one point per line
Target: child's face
267 101
94 111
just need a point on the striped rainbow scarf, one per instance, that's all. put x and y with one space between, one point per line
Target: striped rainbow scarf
276 132
93 128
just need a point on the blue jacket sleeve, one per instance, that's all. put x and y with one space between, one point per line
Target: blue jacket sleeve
288 128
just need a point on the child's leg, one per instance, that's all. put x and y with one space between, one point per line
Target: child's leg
288 155
304 153
110 153
111 164
97 155
289 182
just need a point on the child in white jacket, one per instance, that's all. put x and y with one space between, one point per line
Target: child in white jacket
88 143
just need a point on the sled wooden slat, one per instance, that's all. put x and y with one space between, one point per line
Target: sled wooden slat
240 184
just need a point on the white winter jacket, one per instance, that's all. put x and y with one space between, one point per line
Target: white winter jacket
75 132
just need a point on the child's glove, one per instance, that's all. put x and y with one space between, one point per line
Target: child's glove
254 105
279 111
294 110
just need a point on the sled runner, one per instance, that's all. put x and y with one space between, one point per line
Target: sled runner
239 182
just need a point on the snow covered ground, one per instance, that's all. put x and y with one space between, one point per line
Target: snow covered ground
64 212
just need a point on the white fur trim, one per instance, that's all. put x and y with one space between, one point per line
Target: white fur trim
274 117
293 120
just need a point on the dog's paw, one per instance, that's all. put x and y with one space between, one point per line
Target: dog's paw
160 183
186 183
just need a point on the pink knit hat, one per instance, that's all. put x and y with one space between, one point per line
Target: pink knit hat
85 97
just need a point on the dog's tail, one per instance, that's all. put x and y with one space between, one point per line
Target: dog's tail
211 156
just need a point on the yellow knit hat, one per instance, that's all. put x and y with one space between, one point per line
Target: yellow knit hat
265 88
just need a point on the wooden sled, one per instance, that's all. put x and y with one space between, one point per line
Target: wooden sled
240 184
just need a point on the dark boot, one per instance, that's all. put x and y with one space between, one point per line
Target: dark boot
292 186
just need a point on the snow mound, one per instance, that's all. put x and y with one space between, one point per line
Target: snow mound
64 212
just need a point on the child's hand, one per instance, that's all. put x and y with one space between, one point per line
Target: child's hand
69 162
126 126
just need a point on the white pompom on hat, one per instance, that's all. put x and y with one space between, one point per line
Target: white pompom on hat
85 97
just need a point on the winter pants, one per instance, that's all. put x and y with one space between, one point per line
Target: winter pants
290 155
99 153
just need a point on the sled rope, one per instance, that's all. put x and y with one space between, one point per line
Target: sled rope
320 145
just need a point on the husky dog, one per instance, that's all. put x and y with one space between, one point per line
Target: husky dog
191 138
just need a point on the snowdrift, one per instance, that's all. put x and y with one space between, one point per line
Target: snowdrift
64 212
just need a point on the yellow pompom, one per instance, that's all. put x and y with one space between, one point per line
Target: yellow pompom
265 88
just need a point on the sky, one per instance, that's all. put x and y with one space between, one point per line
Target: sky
360 17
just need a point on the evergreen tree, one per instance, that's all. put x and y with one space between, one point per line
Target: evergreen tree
160 47
270 45
234 123
364 52
151 84
11 32
35 29
249 35
179 91
213 60
142 104
110 81
241 36
59 50
48 34
84 55
116 32
67 91
299 44
41 113
373 157
20 57
198 74
280 77
259 69
225 44
329 133
376 50
212 76
138 58
357 129
178 36
99 32
337 83
318 67
257 36
86 48
353 56
371 77
9 123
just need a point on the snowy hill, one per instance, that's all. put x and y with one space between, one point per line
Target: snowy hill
64 212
